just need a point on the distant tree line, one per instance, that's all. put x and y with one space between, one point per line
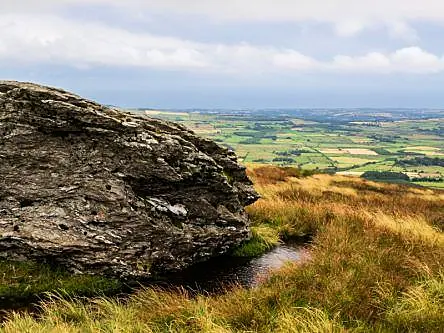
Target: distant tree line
421 161
291 152
428 179
385 175
288 160
381 151
386 138
436 131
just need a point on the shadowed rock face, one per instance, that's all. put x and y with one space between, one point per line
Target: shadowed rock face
102 191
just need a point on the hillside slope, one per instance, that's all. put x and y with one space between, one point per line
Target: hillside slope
375 266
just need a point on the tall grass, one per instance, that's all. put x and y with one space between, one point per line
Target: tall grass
375 266
420 307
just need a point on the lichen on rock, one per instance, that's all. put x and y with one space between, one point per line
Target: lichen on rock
102 191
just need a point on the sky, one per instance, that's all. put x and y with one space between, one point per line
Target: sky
230 53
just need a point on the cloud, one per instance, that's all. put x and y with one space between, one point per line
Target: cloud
48 39
373 61
399 29
349 28
348 17
33 39
416 60
269 10
407 60
396 29
294 60
293 10
410 60
334 11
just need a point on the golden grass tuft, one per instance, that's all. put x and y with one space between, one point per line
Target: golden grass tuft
410 228
420 307
307 320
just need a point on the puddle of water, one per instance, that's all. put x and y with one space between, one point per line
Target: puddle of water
216 274
212 276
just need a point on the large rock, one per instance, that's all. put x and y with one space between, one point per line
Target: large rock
102 191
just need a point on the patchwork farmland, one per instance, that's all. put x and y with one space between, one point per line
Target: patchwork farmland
335 141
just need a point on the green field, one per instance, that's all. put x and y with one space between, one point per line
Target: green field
333 145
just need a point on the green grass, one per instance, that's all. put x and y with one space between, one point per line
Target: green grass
263 239
22 282
419 308
439 185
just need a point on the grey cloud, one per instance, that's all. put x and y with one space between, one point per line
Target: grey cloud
48 39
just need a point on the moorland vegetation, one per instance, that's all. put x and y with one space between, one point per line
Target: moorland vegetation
375 265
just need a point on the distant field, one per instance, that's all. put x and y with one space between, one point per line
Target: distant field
439 185
338 142
351 151
157 112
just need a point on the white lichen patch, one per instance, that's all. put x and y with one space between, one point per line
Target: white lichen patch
130 124
164 206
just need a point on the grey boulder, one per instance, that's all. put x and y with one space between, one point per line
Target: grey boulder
102 191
